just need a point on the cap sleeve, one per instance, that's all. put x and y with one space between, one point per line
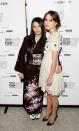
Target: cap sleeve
56 43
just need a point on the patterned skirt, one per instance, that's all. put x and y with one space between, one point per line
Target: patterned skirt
33 95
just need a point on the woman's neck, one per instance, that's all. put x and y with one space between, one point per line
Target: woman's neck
37 37
53 30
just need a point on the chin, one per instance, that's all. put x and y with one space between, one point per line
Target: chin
47 29
38 33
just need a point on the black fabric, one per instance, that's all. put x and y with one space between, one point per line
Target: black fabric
32 103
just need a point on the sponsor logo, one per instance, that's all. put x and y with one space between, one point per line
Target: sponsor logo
12 75
17 85
9 30
69 85
66 41
70 41
67 54
4 3
12 41
64 95
66 76
68 30
59 1
10 54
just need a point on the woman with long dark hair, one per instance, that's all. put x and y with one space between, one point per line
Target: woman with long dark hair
28 66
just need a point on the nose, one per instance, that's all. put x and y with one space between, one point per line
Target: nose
46 22
37 29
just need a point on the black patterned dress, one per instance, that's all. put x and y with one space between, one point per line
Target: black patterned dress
33 95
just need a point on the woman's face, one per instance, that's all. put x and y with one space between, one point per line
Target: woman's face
49 23
37 28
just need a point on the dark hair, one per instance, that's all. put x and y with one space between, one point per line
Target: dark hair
41 24
55 17
32 36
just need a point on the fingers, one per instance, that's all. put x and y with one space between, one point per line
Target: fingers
21 76
49 83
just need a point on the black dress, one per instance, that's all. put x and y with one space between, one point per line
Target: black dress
30 67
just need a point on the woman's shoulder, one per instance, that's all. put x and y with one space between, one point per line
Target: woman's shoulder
55 40
26 41
55 34
27 37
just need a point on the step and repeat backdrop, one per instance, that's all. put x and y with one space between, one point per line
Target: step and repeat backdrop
15 18
68 11
12 31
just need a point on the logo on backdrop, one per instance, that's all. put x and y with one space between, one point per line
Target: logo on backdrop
17 85
3 3
61 1
12 41
70 41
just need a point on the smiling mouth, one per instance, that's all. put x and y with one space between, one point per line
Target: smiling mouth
37 31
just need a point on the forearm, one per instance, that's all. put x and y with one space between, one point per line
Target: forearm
53 68
53 64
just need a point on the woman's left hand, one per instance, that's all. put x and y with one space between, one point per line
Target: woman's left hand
49 81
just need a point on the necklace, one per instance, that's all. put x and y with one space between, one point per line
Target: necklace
37 39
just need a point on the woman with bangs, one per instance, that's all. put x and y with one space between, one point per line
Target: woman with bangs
51 79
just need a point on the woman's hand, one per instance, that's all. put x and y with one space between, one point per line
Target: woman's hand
49 81
21 76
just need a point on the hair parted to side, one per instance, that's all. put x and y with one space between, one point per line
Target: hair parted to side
55 17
